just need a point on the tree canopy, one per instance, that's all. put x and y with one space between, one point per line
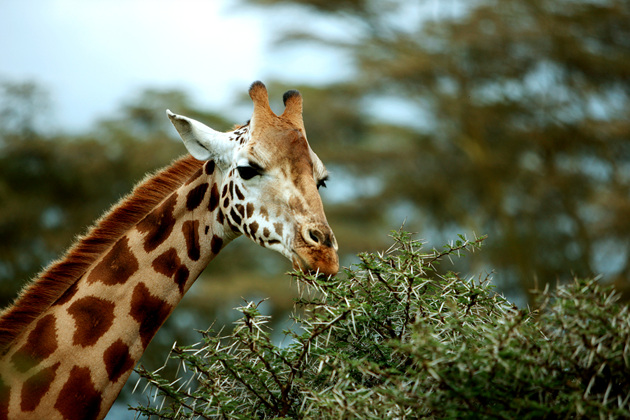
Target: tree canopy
398 340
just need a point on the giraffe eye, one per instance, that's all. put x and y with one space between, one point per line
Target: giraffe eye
322 183
248 172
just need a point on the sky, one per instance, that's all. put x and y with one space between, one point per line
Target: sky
93 55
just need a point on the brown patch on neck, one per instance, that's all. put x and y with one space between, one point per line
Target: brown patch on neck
36 387
50 285
41 343
79 398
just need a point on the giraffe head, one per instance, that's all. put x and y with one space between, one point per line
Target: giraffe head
269 191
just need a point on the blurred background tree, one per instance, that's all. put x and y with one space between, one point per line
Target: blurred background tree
508 118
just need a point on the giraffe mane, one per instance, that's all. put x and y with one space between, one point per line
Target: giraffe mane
59 276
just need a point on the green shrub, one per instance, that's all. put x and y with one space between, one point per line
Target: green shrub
397 339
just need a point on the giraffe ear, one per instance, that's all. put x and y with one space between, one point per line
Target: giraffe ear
203 142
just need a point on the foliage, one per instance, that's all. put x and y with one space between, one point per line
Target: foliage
396 339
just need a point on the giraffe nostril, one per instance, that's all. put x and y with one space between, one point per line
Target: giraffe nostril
317 237
313 235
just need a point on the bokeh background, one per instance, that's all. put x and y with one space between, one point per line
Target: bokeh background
506 118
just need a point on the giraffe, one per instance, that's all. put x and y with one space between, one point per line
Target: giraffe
71 339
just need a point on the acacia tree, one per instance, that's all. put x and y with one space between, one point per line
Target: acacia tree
398 340
521 124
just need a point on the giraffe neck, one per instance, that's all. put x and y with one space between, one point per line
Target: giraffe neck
76 355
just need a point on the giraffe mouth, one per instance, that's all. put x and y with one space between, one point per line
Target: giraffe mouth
328 266
299 263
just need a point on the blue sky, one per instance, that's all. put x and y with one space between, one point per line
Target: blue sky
92 55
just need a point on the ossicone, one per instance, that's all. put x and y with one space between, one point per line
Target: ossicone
258 93
293 107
